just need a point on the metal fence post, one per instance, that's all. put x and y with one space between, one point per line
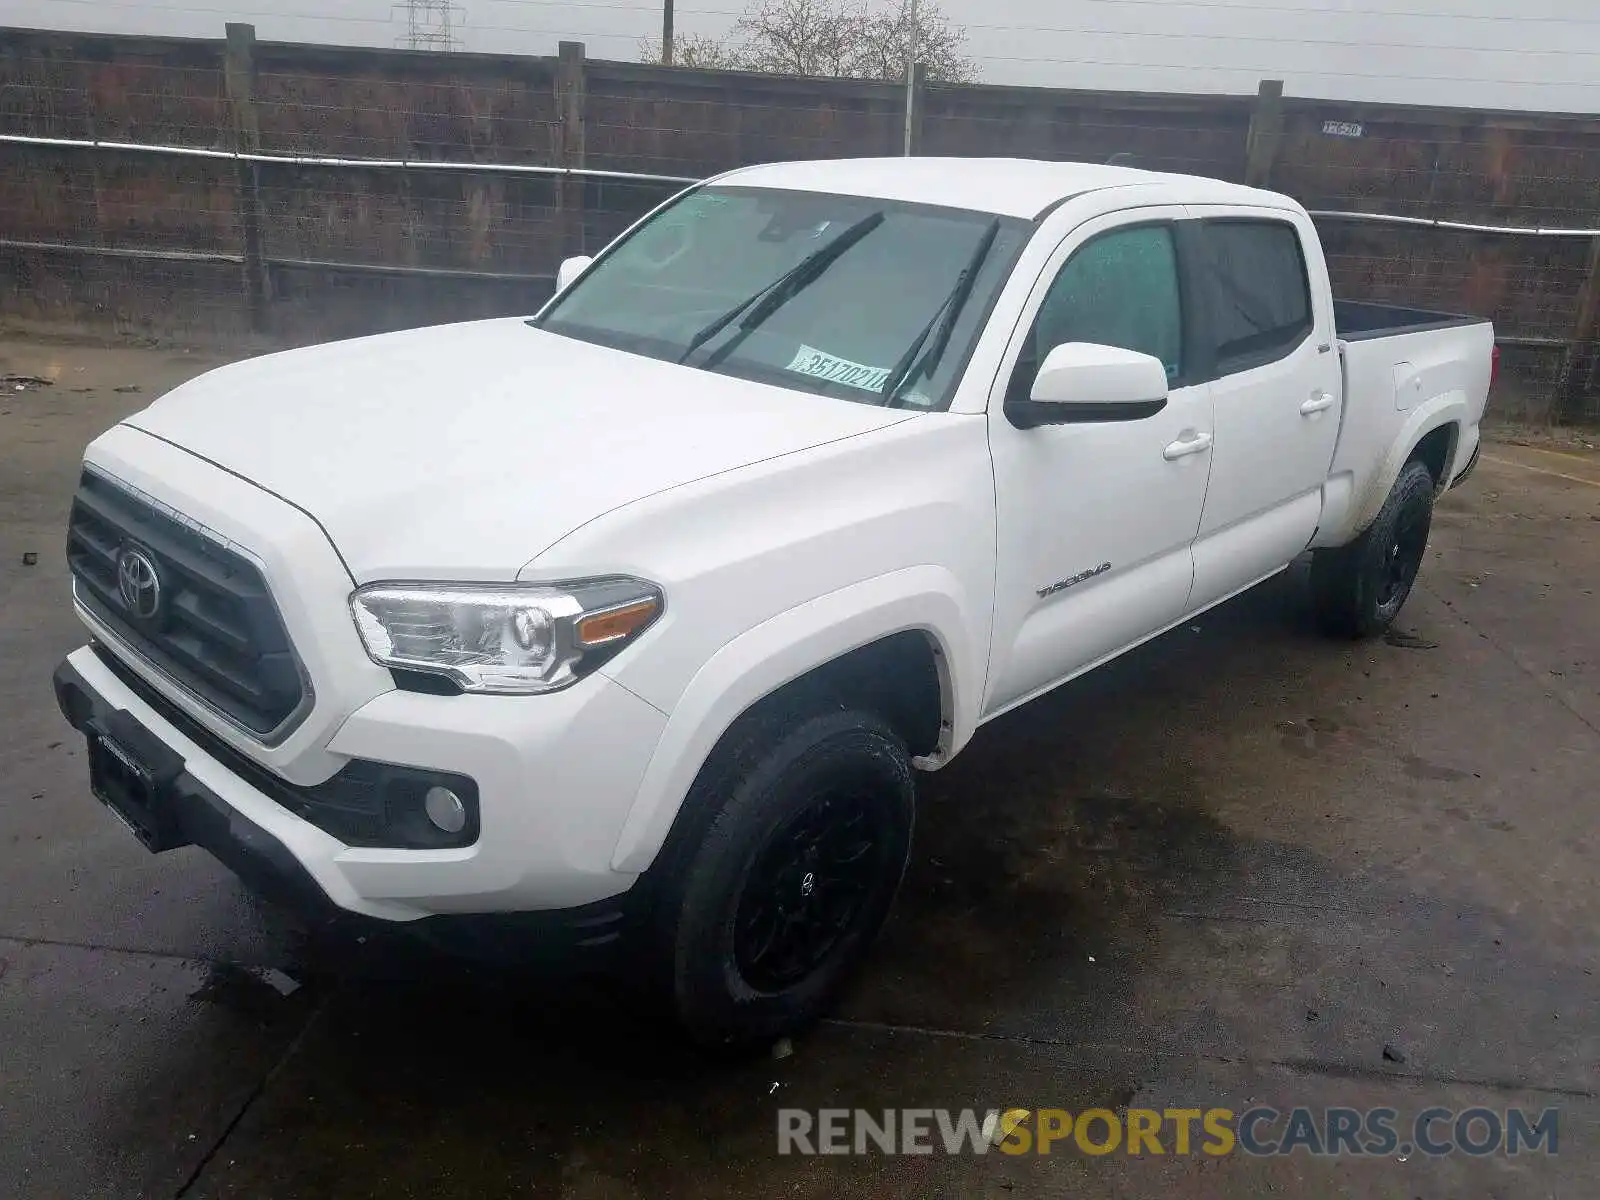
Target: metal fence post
1266 131
569 106
239 71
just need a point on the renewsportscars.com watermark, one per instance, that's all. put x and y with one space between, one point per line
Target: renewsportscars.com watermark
1261 1132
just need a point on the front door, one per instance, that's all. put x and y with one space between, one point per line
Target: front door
1096 521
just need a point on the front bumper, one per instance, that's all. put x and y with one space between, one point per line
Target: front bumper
197 815
555 783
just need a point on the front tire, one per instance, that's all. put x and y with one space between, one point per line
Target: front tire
1359 589
797 836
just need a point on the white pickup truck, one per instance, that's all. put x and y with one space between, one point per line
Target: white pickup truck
637 617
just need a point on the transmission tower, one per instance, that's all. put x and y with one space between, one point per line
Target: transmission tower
430 24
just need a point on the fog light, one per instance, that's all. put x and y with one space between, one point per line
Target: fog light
444 809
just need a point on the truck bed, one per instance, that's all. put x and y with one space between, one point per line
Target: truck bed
1358 320
1400 366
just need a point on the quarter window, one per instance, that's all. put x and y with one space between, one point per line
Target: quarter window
1118 289
1261 297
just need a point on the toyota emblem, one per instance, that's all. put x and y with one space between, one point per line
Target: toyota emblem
138 584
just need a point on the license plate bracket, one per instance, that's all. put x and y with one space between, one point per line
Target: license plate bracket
134 788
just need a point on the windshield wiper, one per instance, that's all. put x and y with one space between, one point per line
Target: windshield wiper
944 317
780 291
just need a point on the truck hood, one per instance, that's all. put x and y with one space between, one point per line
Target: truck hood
463 451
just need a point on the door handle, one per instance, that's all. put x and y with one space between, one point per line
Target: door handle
1319 402
1184 447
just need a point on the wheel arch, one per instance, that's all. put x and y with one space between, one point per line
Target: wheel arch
1433 429
846 644
1436 450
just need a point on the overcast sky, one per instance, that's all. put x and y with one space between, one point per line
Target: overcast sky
1535 54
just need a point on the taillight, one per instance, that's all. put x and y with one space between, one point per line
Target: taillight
1494 366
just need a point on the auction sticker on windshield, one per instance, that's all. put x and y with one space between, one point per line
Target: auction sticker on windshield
822 365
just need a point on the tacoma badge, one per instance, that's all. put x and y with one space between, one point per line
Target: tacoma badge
1064 584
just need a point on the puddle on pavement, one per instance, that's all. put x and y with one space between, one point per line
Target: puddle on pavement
1037 900
1417 767
1077 916
1403 640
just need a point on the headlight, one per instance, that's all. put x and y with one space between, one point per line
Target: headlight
506 638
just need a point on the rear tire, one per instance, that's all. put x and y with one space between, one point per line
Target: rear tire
1359 589
796 836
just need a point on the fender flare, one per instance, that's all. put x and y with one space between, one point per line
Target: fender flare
783 648
1443 409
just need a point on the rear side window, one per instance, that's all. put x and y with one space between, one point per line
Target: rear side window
1261 297
1118 289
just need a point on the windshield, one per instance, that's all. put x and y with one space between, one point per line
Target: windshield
850 296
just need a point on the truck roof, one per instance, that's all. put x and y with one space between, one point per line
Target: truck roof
1016 187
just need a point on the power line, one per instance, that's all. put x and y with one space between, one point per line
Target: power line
1302 11
1313 72
1226 5
1277 41
151 9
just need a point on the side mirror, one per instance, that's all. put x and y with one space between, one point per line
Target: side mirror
570 269
1084 382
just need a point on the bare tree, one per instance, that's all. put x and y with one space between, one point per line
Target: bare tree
882 37
694 50
800 37
830 38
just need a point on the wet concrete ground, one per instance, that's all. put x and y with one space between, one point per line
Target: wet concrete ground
1228 870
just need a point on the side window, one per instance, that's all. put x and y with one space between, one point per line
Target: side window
1119 289
1261 298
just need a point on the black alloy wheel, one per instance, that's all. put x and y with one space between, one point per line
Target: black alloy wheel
806 889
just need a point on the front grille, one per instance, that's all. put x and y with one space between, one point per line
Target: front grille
209 623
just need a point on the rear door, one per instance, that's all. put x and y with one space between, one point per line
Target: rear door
1275 392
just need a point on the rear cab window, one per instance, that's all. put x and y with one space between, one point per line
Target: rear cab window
1259 309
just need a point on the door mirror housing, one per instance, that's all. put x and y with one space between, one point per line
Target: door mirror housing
570 269
1084 382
